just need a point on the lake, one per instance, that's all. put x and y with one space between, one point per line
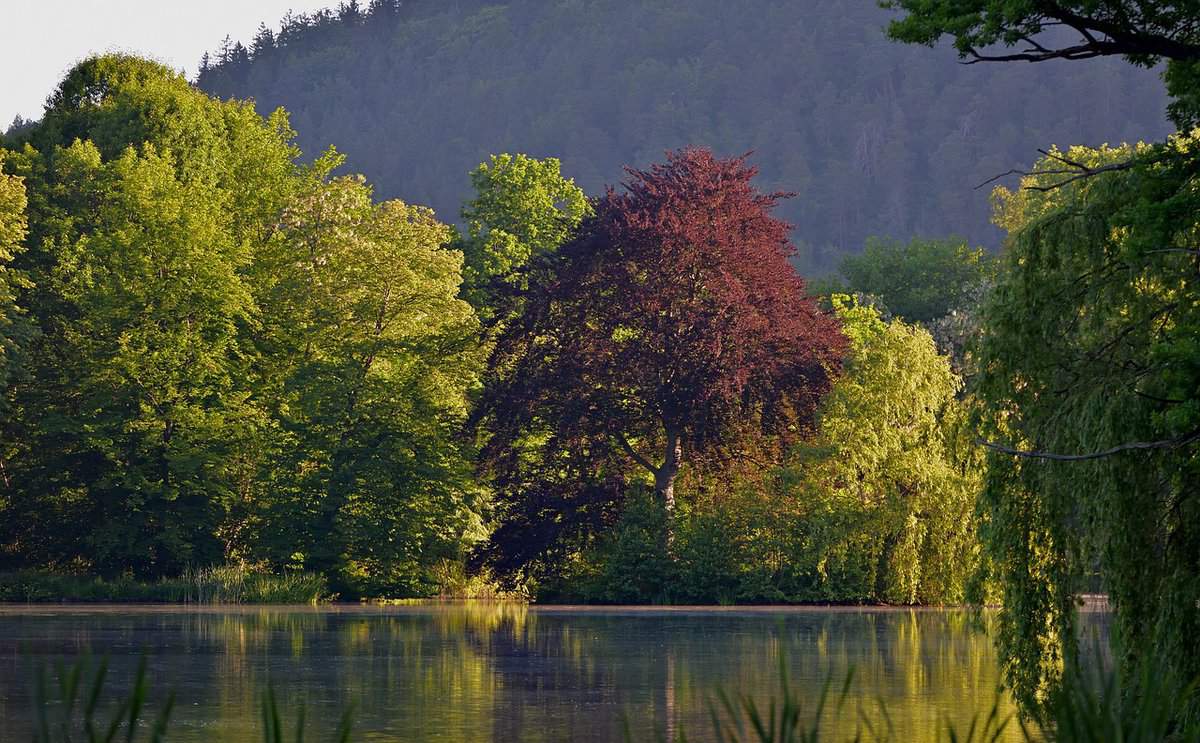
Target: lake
506 672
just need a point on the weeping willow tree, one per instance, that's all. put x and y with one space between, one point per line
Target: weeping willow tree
1090 386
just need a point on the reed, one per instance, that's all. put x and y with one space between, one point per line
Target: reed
230 584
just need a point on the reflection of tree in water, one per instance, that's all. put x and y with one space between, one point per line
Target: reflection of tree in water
506 672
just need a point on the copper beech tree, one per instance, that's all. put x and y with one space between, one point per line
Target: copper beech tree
672 324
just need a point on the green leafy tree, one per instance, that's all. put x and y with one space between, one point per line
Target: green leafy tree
921 280
879 502
136 392
523 209
146 200
1089 375
371 357
14 326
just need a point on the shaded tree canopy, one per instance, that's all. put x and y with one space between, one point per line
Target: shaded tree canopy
921 280
875 138
670 326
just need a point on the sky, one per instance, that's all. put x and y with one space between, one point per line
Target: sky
41 39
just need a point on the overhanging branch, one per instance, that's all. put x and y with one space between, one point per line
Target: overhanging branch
1074 172
1131 446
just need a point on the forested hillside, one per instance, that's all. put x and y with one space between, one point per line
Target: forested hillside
875 138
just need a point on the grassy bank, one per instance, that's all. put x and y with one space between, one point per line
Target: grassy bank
232 584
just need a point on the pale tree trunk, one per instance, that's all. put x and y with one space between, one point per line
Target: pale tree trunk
664 482
664 476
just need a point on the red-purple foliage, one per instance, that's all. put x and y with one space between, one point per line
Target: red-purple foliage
673 323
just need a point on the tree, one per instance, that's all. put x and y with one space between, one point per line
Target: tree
14 325
523 209
878 503
1145 32
368 366
145 201
670 326
920 281
135 400
1089 378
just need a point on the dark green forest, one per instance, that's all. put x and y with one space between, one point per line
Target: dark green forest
875 138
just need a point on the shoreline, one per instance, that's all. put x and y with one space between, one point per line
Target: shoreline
1094 604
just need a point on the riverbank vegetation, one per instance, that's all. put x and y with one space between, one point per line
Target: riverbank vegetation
219 585
215 350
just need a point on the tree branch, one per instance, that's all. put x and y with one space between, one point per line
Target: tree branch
620 438
1077 172
1131 446
1099 37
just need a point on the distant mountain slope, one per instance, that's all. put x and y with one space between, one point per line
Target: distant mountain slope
875 138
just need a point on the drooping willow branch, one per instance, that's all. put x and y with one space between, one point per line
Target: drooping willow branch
1131 446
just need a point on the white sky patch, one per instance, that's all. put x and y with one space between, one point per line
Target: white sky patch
41 39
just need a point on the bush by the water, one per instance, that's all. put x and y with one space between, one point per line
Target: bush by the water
231 584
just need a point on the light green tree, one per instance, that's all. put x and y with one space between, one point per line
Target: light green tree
372 354
147 200
881 497
137 398
523 208
14 326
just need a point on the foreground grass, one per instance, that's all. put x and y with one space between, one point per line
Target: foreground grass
1091 709
232 584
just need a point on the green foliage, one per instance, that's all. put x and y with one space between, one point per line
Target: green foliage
232 584
145 198
238 358
629 564
15 329
1089 353
522 209
920 281
882 496
140 302
368 377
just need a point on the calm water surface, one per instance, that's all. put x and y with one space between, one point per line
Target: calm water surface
503 672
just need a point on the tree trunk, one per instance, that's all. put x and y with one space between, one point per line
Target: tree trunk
664 482
664 477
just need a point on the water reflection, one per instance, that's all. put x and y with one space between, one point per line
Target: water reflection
506 672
